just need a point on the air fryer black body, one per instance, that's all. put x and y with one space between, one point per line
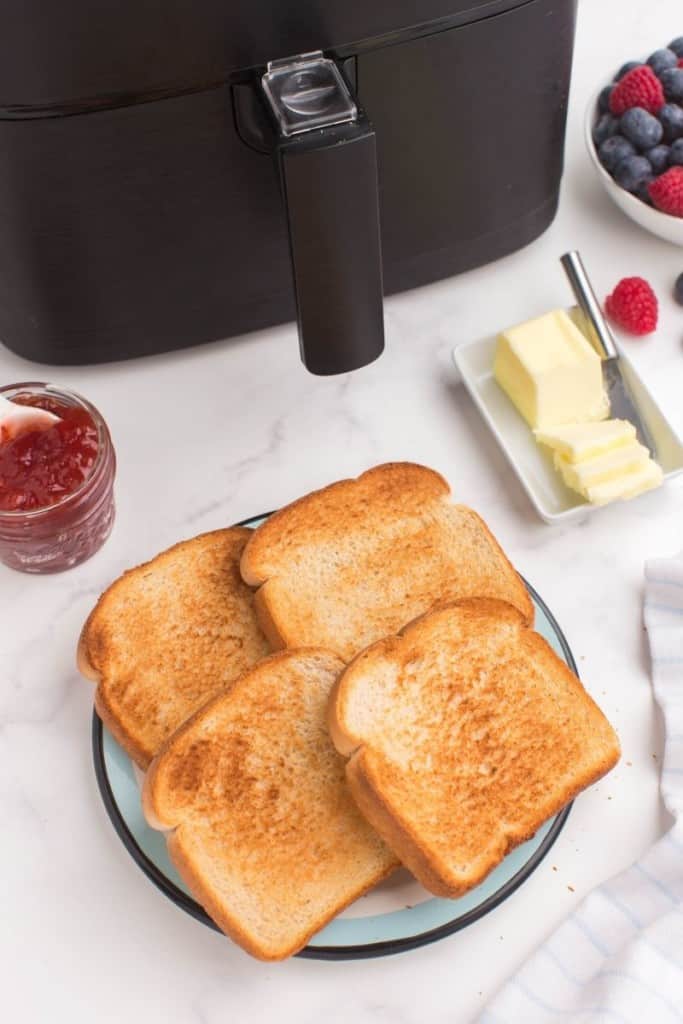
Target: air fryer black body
135 217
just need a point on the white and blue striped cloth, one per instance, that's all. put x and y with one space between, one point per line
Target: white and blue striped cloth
619 957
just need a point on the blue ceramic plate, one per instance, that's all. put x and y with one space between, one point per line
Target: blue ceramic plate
398 915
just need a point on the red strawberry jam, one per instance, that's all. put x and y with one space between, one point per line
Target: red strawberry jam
56 481
41 466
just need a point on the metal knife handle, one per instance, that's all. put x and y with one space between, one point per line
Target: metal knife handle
590 307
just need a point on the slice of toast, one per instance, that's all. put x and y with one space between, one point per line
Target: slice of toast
356 561
465 733
264 830
167 636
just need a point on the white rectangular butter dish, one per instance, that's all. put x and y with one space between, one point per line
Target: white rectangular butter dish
553 501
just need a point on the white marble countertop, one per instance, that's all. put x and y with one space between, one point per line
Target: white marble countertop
83 934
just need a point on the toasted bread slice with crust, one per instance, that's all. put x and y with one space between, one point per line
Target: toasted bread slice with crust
264 830
168 635
465 733
359 559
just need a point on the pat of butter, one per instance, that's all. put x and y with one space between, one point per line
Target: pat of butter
577 441
602 461
601 469
629 485
551 372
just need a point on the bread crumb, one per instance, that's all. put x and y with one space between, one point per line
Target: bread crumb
629 764
554 867
571 888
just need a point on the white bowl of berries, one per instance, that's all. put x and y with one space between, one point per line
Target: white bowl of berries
634 135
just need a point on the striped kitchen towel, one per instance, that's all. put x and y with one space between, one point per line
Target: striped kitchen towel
619 957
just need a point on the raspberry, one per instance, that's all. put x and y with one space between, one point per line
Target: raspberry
639 88
633 306
680 62
666 191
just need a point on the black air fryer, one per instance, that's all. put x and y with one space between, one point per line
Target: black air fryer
180 172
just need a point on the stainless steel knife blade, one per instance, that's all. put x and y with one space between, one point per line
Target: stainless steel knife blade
622 405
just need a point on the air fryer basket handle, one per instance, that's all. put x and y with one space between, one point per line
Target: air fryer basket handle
329 184
327 161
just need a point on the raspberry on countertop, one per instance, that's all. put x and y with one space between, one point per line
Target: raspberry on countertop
633 305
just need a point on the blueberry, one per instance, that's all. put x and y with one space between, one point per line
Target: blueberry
659 158
672 80
603 99
632 173
625 68
641 128
613 150
677 46
676 154
605 127
671 119
660 60
678 287
642 192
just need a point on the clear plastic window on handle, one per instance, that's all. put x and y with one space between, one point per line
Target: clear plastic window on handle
307 92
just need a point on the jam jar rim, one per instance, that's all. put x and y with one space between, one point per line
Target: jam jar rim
104 447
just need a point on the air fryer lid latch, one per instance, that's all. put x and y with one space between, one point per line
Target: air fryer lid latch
327 161
307 92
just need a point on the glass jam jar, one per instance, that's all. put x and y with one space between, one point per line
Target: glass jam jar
56 484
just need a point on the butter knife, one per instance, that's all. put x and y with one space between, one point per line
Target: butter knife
622 404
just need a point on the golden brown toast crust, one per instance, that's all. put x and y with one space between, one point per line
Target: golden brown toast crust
407 843
232 927
258 717
167 635
509 738
355 561
267 620
394 481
